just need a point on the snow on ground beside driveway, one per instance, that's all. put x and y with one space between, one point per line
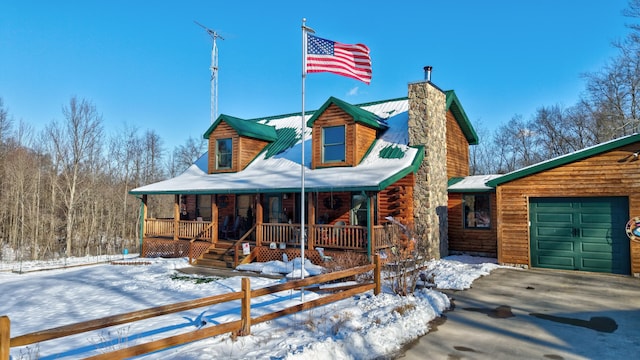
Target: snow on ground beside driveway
360 327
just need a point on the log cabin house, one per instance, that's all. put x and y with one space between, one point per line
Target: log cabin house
363 164
407 158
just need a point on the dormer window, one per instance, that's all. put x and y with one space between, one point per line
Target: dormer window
333 144
224 153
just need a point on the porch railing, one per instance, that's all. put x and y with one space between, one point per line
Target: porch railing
199 230
381 237
340 236
349 237
159 227
280 233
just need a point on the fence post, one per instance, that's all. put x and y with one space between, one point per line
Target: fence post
5 337
245 311
376 273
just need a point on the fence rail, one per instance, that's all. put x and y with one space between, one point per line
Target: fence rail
241 327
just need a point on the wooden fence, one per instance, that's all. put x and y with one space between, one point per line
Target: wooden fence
241 327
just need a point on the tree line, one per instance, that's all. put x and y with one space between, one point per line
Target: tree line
608 108
65 188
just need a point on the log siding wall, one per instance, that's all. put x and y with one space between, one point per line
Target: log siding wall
476 241
397 201
457 149
614 173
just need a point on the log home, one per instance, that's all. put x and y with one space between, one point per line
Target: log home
363 164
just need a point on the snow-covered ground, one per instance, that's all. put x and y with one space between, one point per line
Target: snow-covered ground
360 327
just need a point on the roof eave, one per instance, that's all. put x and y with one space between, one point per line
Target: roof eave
565 159
453 104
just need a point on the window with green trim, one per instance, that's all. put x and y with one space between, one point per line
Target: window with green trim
224 153
333 144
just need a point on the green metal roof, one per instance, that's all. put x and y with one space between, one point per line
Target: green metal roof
392 152
287 138
245 128
565 159
454 105
359 115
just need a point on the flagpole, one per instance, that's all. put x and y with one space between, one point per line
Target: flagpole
304 128
305 29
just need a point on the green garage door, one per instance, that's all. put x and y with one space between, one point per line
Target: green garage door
585 234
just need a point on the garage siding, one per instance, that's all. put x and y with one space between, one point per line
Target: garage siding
610 174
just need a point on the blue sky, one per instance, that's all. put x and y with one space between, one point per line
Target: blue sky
146 64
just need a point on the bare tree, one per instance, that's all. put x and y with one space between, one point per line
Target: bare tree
481 155
5 123
152 155
76 142
187 154
612 95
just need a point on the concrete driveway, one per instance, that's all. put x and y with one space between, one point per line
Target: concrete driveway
537 314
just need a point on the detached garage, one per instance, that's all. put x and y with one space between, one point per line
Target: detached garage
570 212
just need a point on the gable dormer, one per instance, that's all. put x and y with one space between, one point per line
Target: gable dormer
342 134
234 143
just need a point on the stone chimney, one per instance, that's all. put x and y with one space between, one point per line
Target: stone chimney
428 127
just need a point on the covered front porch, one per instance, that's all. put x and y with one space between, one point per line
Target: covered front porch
341 221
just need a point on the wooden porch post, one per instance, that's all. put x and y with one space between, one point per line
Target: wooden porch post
143 219
214 219
176 216
259 219
370 225
376 274
311 220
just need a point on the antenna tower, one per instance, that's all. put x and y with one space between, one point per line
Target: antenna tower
214 70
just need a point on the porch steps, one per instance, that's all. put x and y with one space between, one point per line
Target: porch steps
220 256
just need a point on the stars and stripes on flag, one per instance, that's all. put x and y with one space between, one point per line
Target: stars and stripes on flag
343 59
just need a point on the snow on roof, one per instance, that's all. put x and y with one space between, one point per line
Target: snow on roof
281 172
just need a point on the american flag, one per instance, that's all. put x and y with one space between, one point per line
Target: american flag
343 59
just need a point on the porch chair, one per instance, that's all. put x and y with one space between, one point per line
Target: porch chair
236 227
226 227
